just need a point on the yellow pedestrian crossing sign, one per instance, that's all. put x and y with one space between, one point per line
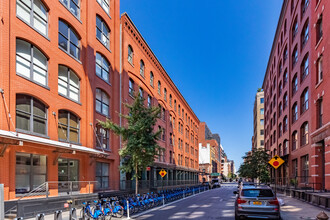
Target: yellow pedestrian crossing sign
276 162
162 173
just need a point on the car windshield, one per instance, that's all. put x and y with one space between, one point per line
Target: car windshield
257 193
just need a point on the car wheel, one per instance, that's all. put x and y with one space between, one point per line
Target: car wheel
236 217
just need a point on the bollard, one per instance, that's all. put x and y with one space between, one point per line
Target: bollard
19 218
163 200
40 216
128 210
73 214
58 215
322 216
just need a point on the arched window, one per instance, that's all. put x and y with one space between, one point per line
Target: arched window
31 115
165 94
73 6
285 124
151 79
31 63
149 101
285 101
175 105
170 100
131 87
295 28
280 129
304 134
294 56
285 77
105 5
304 101
68 40
142 68
304 6
141 92
68 83
280 109
295 112
159 87
102 67
294 140
305 34
294 84
285 147
304 68
102 32
130 54
34 13
68 127
285 54
102 102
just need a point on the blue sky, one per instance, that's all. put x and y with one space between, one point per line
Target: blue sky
216 52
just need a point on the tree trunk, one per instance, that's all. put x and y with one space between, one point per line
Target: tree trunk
136 179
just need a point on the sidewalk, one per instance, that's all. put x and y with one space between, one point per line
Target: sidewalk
296 209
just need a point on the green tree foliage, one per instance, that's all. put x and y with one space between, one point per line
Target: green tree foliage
140 147
255 165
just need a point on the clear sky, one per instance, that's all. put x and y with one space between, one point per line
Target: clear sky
216 52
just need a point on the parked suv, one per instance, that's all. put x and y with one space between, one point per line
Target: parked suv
256 202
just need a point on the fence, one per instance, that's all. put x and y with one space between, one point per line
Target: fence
298 182
148 184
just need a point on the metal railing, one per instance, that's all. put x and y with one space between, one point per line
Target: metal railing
148 184
298 183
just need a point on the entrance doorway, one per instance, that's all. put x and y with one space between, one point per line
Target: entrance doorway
68 175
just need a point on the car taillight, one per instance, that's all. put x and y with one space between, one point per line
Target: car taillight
274 202
240 201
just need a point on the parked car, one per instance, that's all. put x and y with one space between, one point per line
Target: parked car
216 185
241 184
207 184
256 202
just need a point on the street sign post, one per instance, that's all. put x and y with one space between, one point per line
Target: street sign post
276 162
162 173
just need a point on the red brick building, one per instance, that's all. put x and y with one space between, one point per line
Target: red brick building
58 76
143 73
294 91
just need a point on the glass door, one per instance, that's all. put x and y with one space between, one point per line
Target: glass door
68 175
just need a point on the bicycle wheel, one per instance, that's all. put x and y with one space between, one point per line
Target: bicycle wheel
120 213
108 216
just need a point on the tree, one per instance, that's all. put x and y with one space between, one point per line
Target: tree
140 147
259 90
255 165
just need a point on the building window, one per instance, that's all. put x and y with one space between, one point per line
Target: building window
285 124
304 134
175 105
165 94
285 54
285 147
102 138
149 101
141 93
31 172
151 79
304 101
262 132
262 121
280 130
320 113
105 5
305 34
68 83
285 101
295 28
163 114
130 54
294 56
142 68
294 112
304 68
261 100
34 13
295 168
304 169
319 70
304 6
131 87
294 84
159 87
102 67
170 100
102 102
31 63
102 175
285 77
68 127
280 109
31 115
280 67
294 140
319 30
68 39
261 111
292 6
73 6
102 32
280 88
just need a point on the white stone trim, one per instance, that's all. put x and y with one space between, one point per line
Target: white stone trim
327 174
315 166
328 163
314 156
315 175
328 152
317 145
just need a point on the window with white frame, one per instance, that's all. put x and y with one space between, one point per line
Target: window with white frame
105 5
31 63
142 68
34 13
102 32
68 83
102 102
130 54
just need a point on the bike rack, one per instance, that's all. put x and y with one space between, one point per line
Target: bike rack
73 214
40 216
